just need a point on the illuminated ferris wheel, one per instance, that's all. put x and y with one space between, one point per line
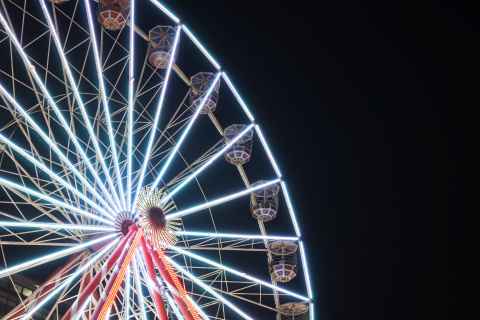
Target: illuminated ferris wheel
135 182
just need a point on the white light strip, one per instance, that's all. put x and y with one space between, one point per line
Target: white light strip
219 201
138 284
76 93
103 94
268 151
31 68
209 289
54 226
306 270
199 310
237 96
131 82
165 10
207 164
51 144
201 47
52 201
240 274
83 268
157 115
233 236
174 307
290 209
52 174
50 257
185 132
311 311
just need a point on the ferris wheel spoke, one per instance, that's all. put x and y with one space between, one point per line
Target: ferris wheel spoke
186 131
209 162
218 201
232 235
103 94
50 173
67 282
240 274
209 289
73 85
139 290
54 226
52 201
51 257
157 116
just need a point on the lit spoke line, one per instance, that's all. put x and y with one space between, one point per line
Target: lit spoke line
237 96
157 116
54 226
103 95
68 281
305 270
138 284
52 144
219 201
185 132
233 236
51 200
207 164
88 124
290 209
52 174
51 257
268 151
174 306
31 68
240 274
131 82
207 288
165 10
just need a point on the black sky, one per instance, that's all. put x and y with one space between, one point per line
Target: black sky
357 100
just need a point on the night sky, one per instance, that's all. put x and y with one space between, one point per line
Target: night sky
356 98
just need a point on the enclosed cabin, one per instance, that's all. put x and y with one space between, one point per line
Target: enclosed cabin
113 14
160 48
241 151
264 202
201 82
283 266
293 311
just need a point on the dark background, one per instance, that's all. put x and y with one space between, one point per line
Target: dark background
357 99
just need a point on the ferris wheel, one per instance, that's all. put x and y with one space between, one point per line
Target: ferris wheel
135 182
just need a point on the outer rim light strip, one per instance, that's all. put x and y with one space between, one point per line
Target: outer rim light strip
201 47
131 81
73 85
50 143
209 289
207 164
69 280
46 225
31 68
13 185
306 270
238 97
232 235
290 209
157 115
52 174
268 151
138 284
103 94
185 132
219 201
50 257
240 274
311 311
165 10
